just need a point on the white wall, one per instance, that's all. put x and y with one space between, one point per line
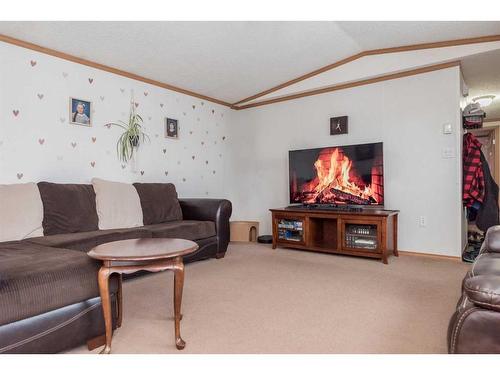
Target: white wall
203 129
406 114
246 150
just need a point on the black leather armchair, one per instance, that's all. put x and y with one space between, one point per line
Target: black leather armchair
216 210
475 325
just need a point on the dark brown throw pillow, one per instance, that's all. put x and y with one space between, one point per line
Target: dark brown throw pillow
159 202
68 208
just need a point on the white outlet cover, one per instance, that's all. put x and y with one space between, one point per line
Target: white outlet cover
422 221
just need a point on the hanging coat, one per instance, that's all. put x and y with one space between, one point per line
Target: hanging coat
473 177
487 215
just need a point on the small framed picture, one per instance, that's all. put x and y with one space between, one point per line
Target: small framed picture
80 112
338 125
171 128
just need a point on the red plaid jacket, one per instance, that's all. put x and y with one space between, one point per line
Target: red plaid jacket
473 184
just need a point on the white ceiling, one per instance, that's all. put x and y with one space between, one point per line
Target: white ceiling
231 60
482 75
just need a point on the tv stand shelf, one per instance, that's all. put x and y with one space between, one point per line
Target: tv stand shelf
367 232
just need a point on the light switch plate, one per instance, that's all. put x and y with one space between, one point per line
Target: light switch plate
447 128
448 153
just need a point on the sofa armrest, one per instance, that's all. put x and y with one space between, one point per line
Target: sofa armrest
216 210
492 240
484 291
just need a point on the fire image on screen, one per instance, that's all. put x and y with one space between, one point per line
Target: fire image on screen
351 175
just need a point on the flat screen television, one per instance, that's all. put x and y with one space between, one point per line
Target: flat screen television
339 175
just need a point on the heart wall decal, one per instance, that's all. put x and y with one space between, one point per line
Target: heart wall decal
94 139
33 63
15 112
40 96
91 80
73 144
20 175
92 163
41 141
65 75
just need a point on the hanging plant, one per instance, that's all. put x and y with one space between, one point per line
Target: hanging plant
132 136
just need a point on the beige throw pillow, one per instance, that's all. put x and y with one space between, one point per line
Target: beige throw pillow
21 211
118 204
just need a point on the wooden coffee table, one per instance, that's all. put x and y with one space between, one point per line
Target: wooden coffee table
148 254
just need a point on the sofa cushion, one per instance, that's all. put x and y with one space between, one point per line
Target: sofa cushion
486 264
185 229
35 279
492 239
159 202
484 291
22 212
118 204
84 241
68 208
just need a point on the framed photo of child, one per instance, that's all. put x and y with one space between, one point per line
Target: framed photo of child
171 128
80 112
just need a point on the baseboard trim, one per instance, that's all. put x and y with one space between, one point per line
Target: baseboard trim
430 255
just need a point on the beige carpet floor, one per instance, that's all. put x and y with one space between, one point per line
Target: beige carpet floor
258 300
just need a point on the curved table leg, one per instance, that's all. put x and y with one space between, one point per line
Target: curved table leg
103 279
178 286
119 302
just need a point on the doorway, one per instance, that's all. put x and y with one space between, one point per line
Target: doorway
488 136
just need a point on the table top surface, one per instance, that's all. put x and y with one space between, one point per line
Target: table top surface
141 249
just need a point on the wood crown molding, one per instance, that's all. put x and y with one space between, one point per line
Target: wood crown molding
380 51
109 69
362 82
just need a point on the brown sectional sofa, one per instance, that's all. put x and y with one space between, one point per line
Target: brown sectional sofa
475 325
49 297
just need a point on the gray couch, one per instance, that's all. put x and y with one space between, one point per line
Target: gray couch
49 297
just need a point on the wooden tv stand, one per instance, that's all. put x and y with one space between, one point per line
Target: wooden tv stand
369 233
